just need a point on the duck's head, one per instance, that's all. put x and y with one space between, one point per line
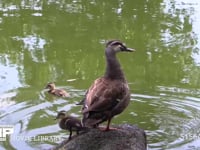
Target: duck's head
118 46
50 86
61 115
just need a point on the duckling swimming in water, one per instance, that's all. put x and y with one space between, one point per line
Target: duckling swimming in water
69 123
57 92
109 95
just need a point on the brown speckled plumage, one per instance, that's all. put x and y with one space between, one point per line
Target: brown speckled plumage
109 95
57 92
69 123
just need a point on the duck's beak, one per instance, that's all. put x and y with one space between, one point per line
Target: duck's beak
130 49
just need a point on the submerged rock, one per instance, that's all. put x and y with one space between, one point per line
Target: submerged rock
126 137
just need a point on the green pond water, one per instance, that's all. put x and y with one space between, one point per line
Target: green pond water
63 42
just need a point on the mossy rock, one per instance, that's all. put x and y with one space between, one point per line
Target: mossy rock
126 137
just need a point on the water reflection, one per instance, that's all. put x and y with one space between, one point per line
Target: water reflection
188 16
174 114
63 42
9 78
6 99
35 45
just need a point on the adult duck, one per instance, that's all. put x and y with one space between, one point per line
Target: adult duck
109 95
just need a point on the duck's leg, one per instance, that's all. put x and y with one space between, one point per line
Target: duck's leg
70 134
77 131
108 125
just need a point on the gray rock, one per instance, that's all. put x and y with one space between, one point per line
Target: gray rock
126 137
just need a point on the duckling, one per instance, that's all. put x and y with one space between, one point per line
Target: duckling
58 92
108 95
69 123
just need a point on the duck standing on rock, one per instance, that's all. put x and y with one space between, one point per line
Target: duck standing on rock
57 92
69 123
109 95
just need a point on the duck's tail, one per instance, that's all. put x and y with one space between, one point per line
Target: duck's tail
92 119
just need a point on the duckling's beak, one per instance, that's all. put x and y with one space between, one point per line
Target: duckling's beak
129 49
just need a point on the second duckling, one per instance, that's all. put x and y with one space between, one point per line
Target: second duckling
57 92
69 123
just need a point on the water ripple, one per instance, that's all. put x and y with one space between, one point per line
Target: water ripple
175 121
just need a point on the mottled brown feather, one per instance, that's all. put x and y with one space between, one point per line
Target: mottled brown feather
57 92
69 123
104 94
105 99
109 95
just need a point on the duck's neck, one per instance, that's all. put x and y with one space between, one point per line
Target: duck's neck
113 69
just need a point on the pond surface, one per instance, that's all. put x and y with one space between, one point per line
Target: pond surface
63 42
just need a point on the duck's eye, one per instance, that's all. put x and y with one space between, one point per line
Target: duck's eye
121 47
118 48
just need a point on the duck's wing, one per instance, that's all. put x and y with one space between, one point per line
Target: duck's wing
104 95
60 92
72 123
83 100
